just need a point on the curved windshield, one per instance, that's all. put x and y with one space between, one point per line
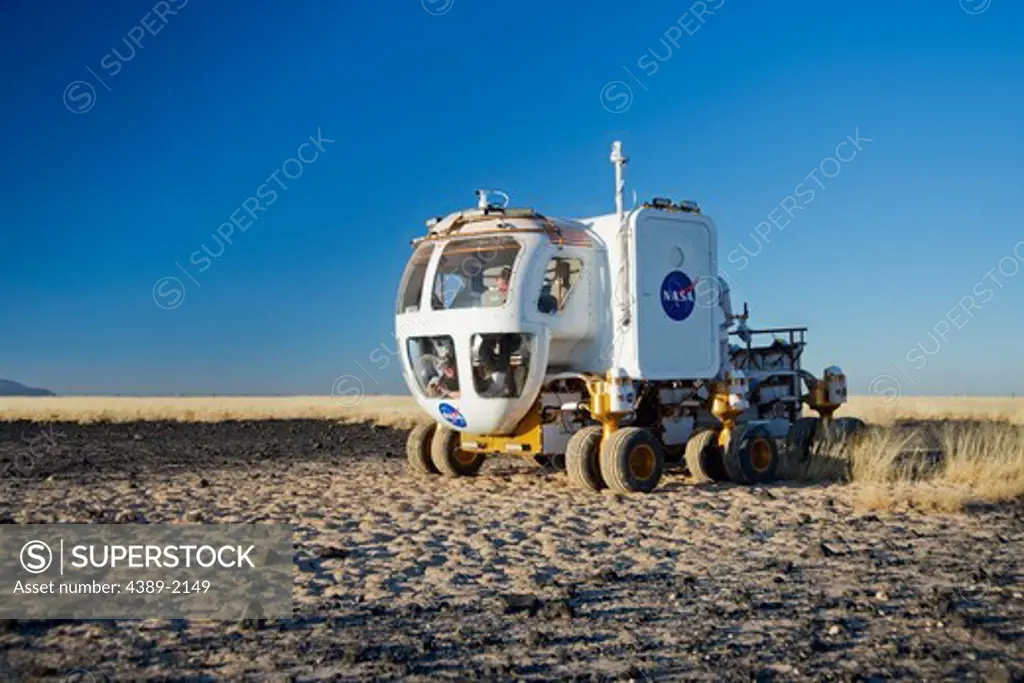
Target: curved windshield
474 273
411 289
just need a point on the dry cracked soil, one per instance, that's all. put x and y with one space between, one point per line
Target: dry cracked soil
513 575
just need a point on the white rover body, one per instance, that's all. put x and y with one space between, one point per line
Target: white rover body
604 341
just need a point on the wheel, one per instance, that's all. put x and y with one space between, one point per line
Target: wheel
449 459
800 443
838 434
632 460
850 427
417 449
751 456
583 459
800 439
704 457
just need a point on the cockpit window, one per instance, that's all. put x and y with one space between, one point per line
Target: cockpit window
559 278
411 290
474 273
433 364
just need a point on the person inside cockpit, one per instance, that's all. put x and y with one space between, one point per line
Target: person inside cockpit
498 294
434 363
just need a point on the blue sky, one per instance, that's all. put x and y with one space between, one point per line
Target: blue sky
119 167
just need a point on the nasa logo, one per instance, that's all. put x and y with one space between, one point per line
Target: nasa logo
452 416
677 297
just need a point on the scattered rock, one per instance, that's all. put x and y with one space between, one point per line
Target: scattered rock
331 553
521 602
131 517
784 566
997 673
819 645
558 609
534 639
823 549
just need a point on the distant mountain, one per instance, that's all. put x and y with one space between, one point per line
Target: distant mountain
11 388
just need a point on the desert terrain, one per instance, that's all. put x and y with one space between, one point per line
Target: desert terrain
867 567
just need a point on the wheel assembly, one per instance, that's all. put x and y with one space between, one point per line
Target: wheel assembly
751 456
417 449
449 459
632 460
583 459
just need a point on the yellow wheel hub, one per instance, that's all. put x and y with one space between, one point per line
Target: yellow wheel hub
761 455
642 461
465 457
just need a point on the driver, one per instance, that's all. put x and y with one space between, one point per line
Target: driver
495 376
497 295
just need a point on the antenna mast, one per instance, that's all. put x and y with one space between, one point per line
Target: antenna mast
619 161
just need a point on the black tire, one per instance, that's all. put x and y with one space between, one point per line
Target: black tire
583 459
850 427
838 434
417 449
449 459
751 456
632 460
704 457
800 439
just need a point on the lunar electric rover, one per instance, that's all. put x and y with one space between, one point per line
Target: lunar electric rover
604 346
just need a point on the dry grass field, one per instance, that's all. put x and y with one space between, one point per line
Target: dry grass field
976 408
391 411
942 466
402 410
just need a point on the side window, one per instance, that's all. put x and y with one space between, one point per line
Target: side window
411 289
561 274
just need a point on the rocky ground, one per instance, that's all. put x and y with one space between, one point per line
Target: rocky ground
512 574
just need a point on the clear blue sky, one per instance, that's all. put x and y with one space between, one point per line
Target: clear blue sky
425 107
